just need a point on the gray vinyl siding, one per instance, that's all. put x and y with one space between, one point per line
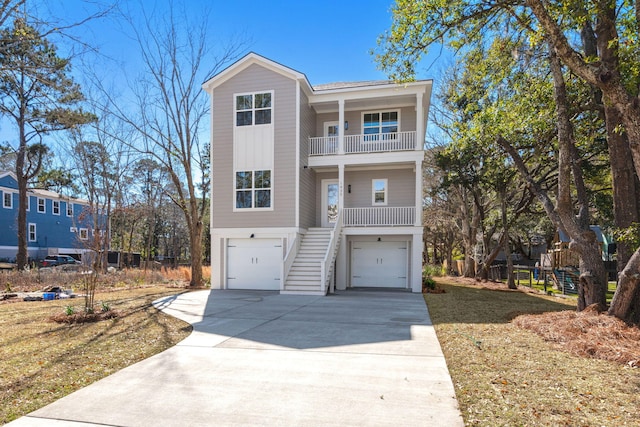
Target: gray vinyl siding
401 191
308 175
407 120
254 79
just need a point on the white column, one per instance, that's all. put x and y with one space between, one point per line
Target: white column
418 203
217 262
341 126
416 263
340 187
420 122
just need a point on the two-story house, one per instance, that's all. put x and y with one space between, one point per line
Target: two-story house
56 224
315 186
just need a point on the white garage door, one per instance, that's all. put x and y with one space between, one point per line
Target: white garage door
254 264
379 264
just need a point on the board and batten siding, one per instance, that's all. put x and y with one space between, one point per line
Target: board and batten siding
254 78
308 175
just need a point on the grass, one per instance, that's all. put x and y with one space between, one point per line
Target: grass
43 361
505 375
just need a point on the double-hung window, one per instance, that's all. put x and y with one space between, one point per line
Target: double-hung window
7 200
253 109
253 189
376 125
32 232
69 209
55 207
42 207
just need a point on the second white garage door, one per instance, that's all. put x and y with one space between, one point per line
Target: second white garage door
254 264
379 264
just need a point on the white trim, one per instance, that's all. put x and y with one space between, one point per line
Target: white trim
86 232
53 207
324 206
44 205
34 232
298 148
253 191
69 204
380 126
385 191
4 194
253 107
244 63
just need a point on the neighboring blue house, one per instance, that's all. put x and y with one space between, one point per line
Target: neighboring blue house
56 224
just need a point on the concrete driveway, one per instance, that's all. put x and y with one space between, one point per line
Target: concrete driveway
366 357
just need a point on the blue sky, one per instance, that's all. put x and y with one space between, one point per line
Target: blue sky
328 40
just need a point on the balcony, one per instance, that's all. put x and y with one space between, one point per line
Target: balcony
379 216
359 144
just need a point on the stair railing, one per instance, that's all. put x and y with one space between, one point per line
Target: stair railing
288 260
329 257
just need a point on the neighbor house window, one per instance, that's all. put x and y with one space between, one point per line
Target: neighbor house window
84 234
253 109
32 232
41 205
55 207
7 200
69 209
379 123
379 192
253 189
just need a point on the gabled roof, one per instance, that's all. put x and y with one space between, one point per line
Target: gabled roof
251 59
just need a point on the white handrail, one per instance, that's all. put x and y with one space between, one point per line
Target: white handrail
329 256
288 260
371 143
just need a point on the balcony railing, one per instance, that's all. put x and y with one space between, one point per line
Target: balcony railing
379 216
372 143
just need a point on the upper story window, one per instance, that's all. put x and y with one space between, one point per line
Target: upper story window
55 207
379 193
253 109
380 122
41 205
84 233
253 189
69 209
7 200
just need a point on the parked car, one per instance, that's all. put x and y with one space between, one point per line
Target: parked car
55 260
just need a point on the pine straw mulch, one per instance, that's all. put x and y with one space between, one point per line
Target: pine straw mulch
590 333
84 317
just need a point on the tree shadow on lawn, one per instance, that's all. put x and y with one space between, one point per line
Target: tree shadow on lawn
464 303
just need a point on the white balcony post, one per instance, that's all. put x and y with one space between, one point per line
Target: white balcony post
418 218
420 120
341 126
340 187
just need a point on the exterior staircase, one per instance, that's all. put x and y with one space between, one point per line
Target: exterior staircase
305 274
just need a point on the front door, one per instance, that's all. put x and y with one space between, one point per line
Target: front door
331 137
330 188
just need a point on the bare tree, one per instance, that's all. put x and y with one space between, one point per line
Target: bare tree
171 110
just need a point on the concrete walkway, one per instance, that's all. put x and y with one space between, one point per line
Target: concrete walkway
259 358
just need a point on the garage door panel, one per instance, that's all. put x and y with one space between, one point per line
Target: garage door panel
254 264
379 264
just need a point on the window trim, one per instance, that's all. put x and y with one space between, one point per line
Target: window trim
31 232
253 108
44 205
53 207
253 190
380 126
69 209
385 191
85 232
4 199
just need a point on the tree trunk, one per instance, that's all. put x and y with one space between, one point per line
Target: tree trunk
196 254
625 301
22 255
483 272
